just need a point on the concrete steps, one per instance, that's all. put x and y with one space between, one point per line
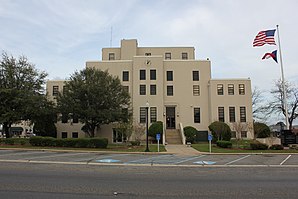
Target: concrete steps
173 136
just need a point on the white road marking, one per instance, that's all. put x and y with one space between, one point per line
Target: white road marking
146 159
189 159
237 160
285 160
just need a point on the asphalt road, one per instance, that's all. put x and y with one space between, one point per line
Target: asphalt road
25 180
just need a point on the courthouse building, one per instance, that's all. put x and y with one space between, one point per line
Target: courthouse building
178 89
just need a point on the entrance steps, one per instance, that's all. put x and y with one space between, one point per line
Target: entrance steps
173 136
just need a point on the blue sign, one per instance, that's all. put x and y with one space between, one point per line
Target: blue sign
209 137
158 136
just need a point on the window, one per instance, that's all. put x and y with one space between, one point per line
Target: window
75 135
221 114
242 114
125 76
169 75
153 74
119 136
243 134
233 134
184 56
241 89
220 90
64 134
197 115
142 74
230 89
167 55
55 90
142 114
153 114
126 88
195 76
64 89
75 118
232 114
64 118
142 89
153 89
170 91
147 54
196 90
111 56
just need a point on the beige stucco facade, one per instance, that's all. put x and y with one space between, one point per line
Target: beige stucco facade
178 88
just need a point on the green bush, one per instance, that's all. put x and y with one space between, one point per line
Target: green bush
155 128
9 141
135 143
224 144
276 147
69 142
261 130
220 131
190 134
258 146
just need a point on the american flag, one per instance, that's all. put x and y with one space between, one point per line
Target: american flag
264 37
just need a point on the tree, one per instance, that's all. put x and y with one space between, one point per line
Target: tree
258 109
96 98
155 128
220 131
277 103
21 88
239 127
261 130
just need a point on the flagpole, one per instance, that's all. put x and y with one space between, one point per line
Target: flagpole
283 82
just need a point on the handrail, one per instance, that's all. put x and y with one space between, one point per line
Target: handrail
182 134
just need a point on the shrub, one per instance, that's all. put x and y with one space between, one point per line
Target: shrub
276 147
224 144
258 146
155 128
190 134
135 143
9 141
220 131
261 130
69 142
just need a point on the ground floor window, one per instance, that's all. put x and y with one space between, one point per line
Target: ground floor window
75 135
243 134
64 134
119 136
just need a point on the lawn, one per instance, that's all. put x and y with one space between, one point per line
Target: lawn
243 147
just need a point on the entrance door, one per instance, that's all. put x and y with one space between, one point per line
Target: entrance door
170 117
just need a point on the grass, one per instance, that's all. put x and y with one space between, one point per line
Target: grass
243 148
111 147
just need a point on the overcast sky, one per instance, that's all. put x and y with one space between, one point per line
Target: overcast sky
59 36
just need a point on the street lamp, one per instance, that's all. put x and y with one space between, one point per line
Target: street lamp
147 107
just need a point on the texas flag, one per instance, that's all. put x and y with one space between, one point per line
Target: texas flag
272 55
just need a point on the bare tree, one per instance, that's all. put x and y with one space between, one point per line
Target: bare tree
258 108
239 127
277 103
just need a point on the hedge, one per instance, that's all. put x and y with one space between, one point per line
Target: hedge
276 147
69 142
258 146
224 144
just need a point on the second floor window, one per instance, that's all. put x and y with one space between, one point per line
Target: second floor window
220 90
167 55
111 56
153 114
242 114
153 74
152 89
55 90
170 91
232 114
196 90
195 75
142 89
142 74
142 114
221 114
169 75
184 56
125 76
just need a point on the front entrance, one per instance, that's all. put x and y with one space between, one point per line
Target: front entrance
170 117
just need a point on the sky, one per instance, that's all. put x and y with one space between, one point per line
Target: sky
59 36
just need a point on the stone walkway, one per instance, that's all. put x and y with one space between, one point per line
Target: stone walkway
183 150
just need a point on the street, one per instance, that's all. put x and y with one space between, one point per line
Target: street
25 180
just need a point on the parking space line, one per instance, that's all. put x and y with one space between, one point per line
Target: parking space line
237 160
56 155
146 159
285 160
189 159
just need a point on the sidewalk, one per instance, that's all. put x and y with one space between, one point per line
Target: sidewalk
182 150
